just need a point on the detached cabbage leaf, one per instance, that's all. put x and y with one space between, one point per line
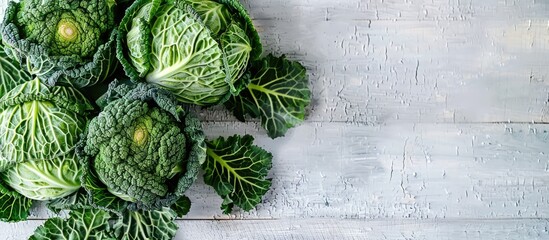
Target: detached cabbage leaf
277 93
66 41
237 170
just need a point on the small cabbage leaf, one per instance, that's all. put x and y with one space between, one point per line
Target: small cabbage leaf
82 224
182 206
277 93
138 225
237 170
14 207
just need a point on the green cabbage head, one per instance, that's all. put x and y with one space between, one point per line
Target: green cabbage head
39 129
143 147
67 41
196 49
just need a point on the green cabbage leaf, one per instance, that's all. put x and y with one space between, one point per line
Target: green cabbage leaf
82 224
98 224
237 170
277 93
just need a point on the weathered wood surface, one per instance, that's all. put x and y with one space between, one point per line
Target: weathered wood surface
427 123
315 229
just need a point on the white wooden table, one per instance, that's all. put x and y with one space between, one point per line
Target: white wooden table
428 122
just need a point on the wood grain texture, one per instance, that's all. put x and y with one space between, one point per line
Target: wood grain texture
471 229
424 125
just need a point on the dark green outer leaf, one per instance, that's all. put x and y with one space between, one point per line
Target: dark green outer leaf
14 207
278 93
182 206
103 65
97 224
99 196
237 170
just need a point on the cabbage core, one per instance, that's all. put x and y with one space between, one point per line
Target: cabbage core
67 30
140 134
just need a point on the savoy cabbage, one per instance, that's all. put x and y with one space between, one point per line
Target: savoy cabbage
39 129
144 148
198 50
66 41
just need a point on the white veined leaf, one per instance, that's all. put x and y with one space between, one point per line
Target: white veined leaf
237 170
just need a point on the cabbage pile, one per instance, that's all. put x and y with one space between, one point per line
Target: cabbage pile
98 112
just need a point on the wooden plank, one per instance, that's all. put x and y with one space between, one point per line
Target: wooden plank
352 229
395 10
423 171
304 229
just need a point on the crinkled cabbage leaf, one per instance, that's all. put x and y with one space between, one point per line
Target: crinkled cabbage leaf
237 170
198 50
277 93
